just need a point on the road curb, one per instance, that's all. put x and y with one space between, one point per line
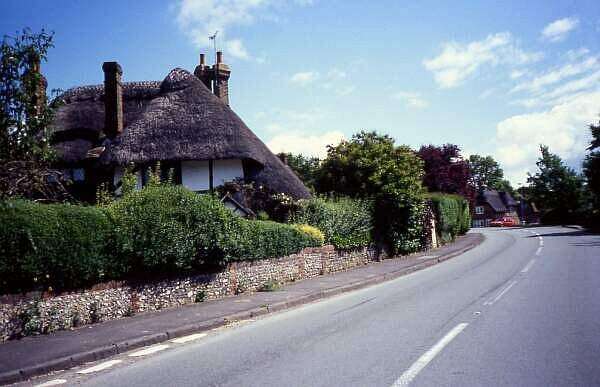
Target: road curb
143 341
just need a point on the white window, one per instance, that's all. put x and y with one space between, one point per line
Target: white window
227 170
479 210
195 175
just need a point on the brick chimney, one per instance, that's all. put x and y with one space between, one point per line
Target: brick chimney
204 73
113 99
221 84
37 86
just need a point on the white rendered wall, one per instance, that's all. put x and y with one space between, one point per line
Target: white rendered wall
194 175
227 170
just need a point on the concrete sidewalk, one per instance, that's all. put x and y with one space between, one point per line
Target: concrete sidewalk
31 356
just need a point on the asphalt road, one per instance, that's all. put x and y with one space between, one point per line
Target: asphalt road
519 310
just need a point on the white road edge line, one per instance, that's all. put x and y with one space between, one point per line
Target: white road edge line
53 382
100 367
539 251
407 377
185 339
528 266
149 350
495 299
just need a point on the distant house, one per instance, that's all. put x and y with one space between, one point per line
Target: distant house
529 213
184 122
491 204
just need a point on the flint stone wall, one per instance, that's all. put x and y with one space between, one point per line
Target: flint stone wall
37 313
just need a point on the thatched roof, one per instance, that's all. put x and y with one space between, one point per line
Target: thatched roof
494 199
176 119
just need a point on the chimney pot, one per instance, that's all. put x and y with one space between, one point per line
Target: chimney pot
221 79
113 99
202 59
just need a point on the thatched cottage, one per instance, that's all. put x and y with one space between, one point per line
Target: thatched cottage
184 122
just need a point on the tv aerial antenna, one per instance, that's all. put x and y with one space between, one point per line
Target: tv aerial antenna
213 37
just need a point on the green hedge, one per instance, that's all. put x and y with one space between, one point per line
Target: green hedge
258 239
54 246
452 215
169 228
157 230
346 223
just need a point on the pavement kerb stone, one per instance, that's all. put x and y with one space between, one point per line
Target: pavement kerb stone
124 346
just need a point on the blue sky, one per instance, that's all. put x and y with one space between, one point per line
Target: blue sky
494 77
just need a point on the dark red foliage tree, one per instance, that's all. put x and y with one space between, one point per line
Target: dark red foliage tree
446 171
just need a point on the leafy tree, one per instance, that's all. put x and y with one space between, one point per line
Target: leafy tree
306 168
591 169
25 152
485 172
446 171
556 188
371 166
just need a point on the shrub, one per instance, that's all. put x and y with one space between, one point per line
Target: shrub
169 228
52 246
452 215
346 223
257 239
312 231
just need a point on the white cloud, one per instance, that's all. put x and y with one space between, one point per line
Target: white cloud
487 93
334 80
559 29
199 19
307 145
411 100
565 92
304 78
562 128
236 48
571 69
459 61
573 55
344 90
337 74
516 74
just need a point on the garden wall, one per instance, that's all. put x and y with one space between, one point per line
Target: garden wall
24 316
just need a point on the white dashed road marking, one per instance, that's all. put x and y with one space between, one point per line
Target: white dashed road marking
502 292
407 377
528 266
54 382
185 339
149 350
539 251
100 367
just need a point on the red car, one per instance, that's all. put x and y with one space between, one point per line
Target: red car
503 222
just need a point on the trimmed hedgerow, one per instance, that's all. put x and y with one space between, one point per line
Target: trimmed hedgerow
259 239
169 228
52 246
346 223
158 230
452 215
